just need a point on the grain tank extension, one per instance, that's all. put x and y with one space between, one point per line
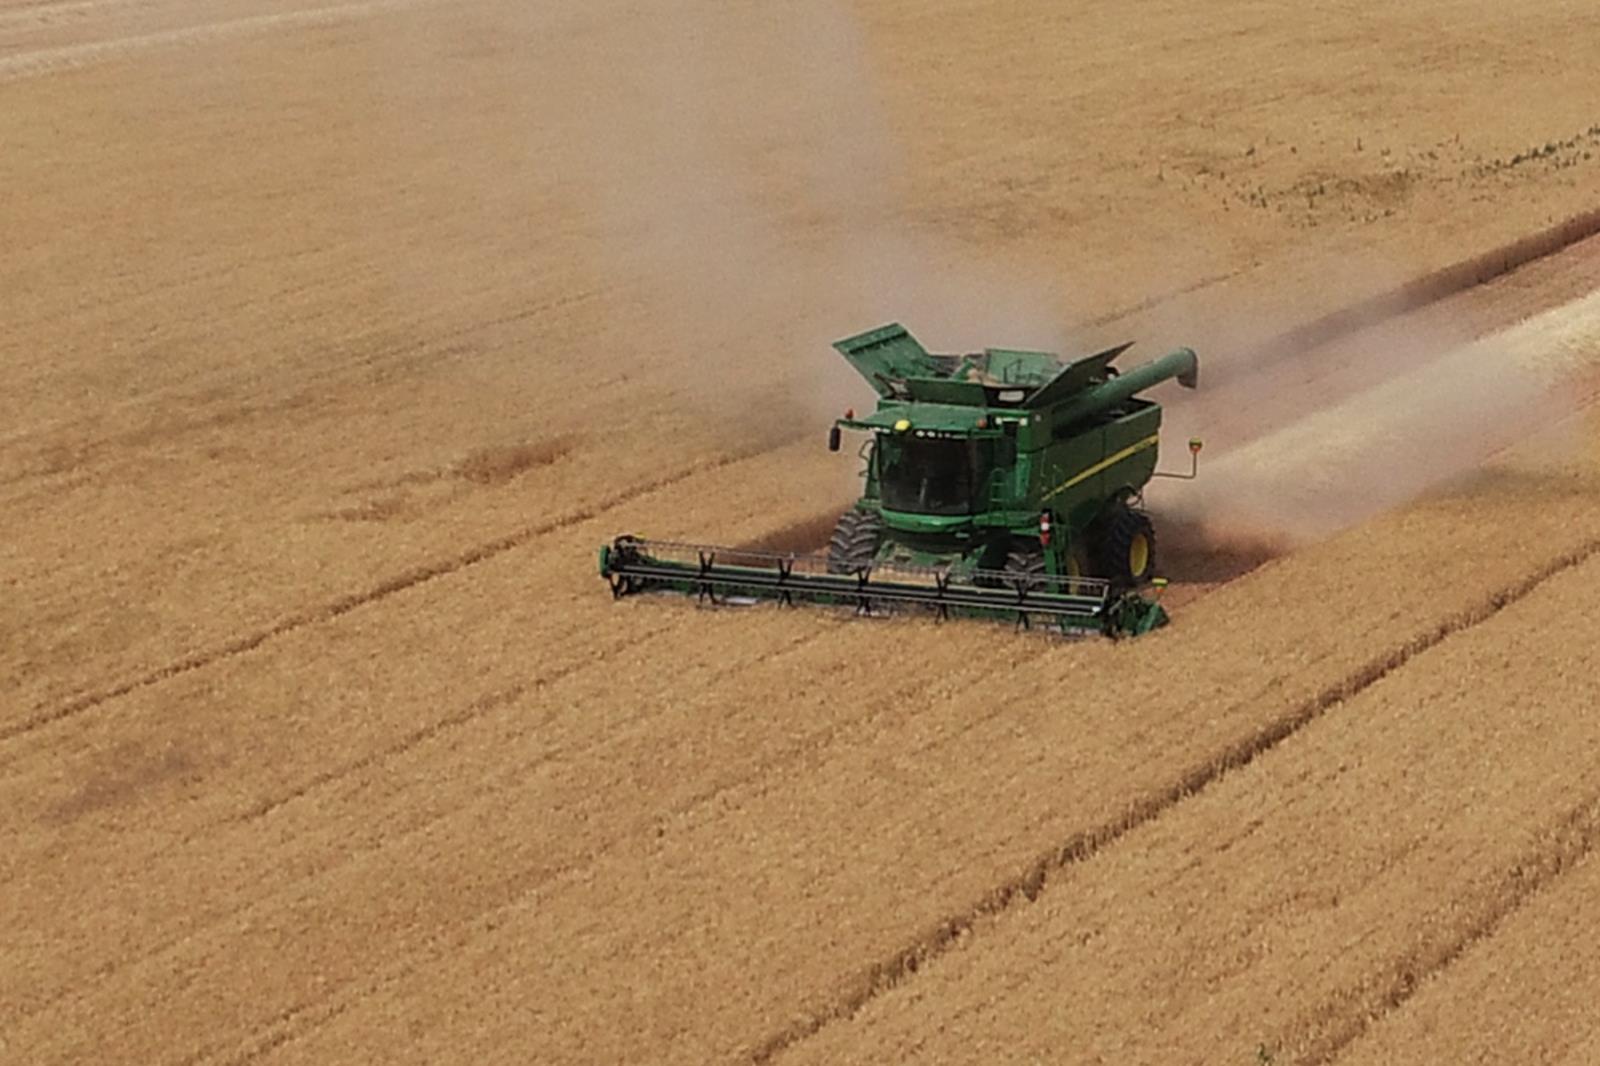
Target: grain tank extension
1001 483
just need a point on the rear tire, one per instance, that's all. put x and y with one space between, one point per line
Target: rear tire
1126 547
855 542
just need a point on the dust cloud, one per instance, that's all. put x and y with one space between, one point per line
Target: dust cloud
746 187
1327 456
763 217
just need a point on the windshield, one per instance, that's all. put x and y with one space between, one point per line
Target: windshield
931 475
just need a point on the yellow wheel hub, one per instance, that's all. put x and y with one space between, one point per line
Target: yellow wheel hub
1139 556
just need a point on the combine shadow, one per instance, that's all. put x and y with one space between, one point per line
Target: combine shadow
1195 554
805 536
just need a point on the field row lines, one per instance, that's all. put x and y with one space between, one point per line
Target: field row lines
411 578
304 1016
411 742
1571 840
1034 880
72 56
311 1015
364 356
1434 287
381 762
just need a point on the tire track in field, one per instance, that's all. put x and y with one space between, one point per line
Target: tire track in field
303 1018
280 1031
1573 839
889 973
44 61
362 357
485 704
402 582
474 709
48 11
1431 288
416 738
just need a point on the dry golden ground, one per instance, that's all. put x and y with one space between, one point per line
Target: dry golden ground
314 299
339 336
1308 895
1525 994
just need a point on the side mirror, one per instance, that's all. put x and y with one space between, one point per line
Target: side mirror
833 439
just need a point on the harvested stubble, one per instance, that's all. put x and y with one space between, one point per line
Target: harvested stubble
1524 993
1312 892
320 738
865 824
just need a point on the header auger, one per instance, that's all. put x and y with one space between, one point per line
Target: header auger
1001 484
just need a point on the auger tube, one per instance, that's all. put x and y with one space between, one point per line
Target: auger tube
1182 364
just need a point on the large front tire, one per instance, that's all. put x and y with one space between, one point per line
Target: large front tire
855 542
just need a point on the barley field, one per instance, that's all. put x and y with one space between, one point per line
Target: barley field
339 336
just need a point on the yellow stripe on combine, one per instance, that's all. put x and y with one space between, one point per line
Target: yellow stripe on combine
1108 461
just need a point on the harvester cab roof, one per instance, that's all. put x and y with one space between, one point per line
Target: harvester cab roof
899 368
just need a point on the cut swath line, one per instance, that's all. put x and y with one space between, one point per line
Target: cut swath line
1571 841
489 921
272 1036
485 704
1431 288
344 605
71 56
298 1021
891 972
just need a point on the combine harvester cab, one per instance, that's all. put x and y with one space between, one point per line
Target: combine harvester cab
1001 484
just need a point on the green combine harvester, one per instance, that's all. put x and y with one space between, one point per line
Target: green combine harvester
1001 484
